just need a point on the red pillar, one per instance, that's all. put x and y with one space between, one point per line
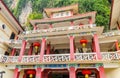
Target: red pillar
48 49
72 72
96 46
72 13
13 52
90 21
50 26
22 50
97 49
35 27
39 73
101 72
72 57
51 16
117 45
42 49
30 50
72 23
80 24
16 73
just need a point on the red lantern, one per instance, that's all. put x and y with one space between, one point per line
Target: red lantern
30 73
86 73
83 42
36 45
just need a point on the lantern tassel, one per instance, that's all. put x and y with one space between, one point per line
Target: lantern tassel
31 76
86 76
36 48
83 45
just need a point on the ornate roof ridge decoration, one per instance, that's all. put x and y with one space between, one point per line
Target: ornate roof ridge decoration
83 15
74 8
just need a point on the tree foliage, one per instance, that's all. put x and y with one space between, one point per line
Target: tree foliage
32 16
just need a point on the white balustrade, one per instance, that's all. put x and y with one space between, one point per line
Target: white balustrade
15 41
61 57
11 41
30 58
110 56
85 56
57 29
111 33
9 59
56 58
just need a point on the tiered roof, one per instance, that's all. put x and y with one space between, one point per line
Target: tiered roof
73 8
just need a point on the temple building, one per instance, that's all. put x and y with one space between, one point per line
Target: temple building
9 29
64 44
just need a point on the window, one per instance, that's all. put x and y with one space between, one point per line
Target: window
3 26
12 35
6 53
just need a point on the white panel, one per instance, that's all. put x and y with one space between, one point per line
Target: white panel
62 14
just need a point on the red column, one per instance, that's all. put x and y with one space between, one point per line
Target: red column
117 45
42 49
30 50
80 24
50 26
22 50
90 21
72 48
96 46
101 72
39 73
13 52
72 23
71 13
97 49
51 16
48 49
35 27
16 73
72 72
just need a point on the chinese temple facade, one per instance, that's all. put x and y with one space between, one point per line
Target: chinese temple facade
64 44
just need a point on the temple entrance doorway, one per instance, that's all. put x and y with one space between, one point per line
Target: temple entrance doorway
90 73
29 73
61 73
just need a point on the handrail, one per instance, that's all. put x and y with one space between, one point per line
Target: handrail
106 56
59 29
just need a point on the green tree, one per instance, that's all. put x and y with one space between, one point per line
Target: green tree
32 16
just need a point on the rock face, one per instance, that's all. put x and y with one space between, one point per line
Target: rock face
25 13
14 4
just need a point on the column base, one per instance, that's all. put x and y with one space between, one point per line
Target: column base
72 72
101 72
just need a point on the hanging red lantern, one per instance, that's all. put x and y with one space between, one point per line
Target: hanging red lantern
83 42
36 45
86 73
31 73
